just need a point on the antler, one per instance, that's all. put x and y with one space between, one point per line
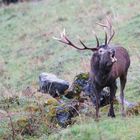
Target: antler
97 40
64 39
111 31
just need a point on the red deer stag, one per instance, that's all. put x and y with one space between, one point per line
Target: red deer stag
108 63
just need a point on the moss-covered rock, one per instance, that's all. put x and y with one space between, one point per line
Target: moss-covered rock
27 125
133 109
80 81
9 101
57 112
45 99
51 101
65 113
81 85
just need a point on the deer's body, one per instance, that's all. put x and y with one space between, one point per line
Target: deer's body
118 69
101 76
107 64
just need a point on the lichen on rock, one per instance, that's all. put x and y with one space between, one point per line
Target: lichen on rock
80 81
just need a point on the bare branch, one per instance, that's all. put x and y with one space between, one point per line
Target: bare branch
11 124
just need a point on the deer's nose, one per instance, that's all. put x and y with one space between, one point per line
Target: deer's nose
112 52
112 55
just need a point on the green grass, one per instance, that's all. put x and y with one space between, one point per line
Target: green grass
105 129
27 49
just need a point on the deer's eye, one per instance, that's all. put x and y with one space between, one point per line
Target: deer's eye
101 51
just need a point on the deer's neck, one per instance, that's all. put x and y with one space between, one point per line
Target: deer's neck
101 76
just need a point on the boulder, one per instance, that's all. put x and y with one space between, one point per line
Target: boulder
51 84
104 97
81 85
65 113
133 109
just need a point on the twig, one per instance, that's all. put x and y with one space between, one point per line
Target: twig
11 124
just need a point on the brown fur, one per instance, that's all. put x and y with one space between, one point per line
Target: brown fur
103 75
104 68
123 61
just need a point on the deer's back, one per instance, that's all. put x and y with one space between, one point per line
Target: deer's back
123 62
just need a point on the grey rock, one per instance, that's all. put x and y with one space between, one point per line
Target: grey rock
51 84
79 83
104 96
65 113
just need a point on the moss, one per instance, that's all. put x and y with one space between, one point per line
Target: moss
52 111
22 122
51 101
82 76
32 108
78 84
133 110
27 125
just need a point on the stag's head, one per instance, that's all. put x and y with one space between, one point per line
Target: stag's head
104 53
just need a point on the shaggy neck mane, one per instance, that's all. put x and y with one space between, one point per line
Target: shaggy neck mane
101 74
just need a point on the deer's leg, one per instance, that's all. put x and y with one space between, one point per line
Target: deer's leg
97 104
113 89
96 94
122 86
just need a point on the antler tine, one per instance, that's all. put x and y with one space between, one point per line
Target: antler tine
112 32
108 26
83 44
106 42
103 25
111 37
97 40
92 49
64 39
